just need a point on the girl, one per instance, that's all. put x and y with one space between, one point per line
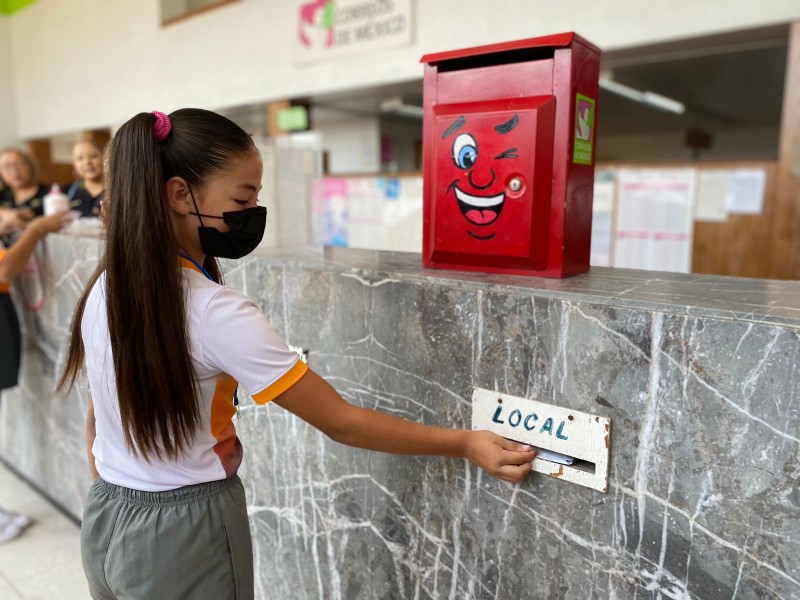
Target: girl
86 193
22 190
11 263
165 345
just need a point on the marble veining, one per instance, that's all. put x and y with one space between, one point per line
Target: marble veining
698 375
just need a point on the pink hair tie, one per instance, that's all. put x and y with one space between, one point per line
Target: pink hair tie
161 127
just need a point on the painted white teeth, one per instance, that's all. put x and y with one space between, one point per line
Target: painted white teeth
478 201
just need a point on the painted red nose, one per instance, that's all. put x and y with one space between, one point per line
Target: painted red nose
476 185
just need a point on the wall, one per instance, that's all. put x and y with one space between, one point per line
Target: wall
242 53
405 135
352 142
8 126
697 374
739 144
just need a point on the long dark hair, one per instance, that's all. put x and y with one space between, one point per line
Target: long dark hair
145 298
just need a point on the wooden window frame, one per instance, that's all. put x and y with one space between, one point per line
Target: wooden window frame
197 11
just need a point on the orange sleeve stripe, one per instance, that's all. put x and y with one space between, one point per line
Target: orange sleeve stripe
222 408
288 379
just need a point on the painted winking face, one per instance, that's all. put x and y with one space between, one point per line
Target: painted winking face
485 170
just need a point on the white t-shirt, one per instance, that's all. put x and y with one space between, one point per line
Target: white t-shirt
230 341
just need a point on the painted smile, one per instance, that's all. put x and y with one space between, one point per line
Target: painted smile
479 210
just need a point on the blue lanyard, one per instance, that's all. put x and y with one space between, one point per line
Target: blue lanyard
206 273
198 265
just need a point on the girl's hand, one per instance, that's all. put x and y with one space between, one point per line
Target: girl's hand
102 211
51 223
499 457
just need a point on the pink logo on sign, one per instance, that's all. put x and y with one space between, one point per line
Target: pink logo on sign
316 24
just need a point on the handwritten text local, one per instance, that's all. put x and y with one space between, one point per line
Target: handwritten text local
529 422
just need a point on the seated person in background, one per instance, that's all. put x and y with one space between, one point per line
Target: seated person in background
11 263
21 189
86 192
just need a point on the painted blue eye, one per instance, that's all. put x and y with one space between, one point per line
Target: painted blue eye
465 151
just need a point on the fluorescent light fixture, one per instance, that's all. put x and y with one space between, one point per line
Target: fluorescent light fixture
621 90
664 103
649 98
391 104
410 110
395 105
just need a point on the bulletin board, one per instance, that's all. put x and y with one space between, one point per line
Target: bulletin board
740 244
370 212
654 219
714 218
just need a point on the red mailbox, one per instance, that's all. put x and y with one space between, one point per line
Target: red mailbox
509 147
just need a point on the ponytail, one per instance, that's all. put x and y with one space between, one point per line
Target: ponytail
145 297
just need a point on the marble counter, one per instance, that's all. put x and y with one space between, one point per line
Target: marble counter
698 374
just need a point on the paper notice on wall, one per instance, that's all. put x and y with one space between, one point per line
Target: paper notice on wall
746 192
377 213
329 208
712 195
602 219
655 219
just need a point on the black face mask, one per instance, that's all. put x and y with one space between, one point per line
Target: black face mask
246 228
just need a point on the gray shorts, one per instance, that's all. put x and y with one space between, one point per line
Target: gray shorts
190 543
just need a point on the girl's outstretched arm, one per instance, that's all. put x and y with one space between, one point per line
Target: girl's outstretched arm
316 402
18 254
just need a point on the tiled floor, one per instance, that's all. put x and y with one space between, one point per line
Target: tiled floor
45 562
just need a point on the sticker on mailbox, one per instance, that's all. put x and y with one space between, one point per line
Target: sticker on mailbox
584 130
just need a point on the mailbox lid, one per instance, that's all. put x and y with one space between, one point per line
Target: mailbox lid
559 40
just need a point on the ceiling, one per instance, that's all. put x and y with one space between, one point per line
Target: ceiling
726 82
729 81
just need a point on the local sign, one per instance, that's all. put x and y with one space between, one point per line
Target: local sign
584 437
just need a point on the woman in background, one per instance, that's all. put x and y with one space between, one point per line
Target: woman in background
86 193
22 191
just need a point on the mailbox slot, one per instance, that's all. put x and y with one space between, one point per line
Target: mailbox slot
583 436
498 58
